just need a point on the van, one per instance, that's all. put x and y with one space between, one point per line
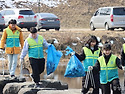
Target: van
109 18
25 17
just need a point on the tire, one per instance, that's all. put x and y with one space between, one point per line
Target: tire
92 27
1 30
28 29
112 29
106 26
57 29
47 29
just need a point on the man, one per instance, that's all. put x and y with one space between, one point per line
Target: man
108 65
13 37
34 46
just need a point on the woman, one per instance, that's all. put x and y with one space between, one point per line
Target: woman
89 56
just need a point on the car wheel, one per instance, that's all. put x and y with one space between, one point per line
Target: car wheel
1 30
57 29
28 29
112 29
106 26
92 27
47 29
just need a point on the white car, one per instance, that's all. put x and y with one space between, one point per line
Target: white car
25 17
109 18
2 22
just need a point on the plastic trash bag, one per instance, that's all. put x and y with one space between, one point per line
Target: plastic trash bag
74 68
53 58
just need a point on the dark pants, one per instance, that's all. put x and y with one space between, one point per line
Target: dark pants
97 85
37 68
115 85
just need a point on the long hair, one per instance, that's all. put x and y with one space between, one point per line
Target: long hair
91 39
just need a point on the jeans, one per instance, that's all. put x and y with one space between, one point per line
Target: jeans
12 58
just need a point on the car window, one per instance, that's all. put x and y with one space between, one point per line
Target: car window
119 11
48 15
2 12
105 11
26 12
9 12
96 13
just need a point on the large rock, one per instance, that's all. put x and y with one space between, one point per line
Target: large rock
70 91
28 91
5 80
28 87
54 84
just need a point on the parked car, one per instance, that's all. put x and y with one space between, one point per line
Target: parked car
2 23
47 21
109 18
25 17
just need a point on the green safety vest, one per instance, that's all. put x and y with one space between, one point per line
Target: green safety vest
12 39
123 47
91 58
108 72
35 49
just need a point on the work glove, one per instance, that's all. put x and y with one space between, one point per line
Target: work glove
90 67
123 67
69 51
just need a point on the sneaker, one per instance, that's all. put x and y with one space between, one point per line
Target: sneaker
12 76
37 85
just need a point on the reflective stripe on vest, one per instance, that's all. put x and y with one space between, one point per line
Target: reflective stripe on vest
35 49
12 39
108 72
91 58
123 47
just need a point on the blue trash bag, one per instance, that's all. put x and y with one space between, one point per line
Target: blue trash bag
74 68
53 58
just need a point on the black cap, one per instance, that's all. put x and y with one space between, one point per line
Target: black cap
33 30
107 46
12 21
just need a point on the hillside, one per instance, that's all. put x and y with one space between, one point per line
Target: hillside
72 13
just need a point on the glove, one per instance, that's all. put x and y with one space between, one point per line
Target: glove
70 51
123 67
90 67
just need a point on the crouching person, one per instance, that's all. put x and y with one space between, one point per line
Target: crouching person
34 46
108 65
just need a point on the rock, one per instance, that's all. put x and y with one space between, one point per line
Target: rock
5 80
28 87
54 84
28 91
12 88
70 91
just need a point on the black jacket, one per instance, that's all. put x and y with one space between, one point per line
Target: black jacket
122 57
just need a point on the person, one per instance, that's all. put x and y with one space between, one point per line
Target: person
13 38
108 65
123 58
89 56
34 46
